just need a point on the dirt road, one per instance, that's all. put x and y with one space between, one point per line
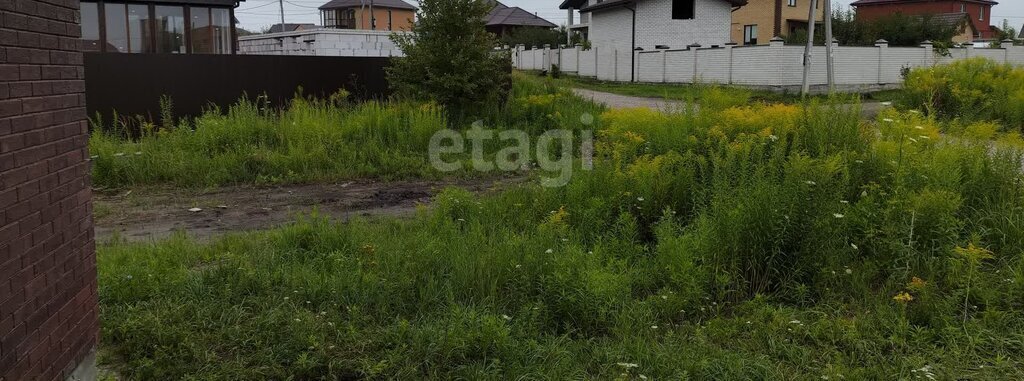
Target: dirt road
146 214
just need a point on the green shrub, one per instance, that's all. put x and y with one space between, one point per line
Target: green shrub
971 90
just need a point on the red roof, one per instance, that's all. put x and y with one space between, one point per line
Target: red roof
879 2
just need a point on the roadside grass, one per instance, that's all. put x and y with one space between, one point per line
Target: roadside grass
311 140
976 90
696 92
752 242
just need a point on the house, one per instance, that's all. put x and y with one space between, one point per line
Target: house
980 11
288 27
164 26
581 27
384 15
959 21
760 20
628 25
504 19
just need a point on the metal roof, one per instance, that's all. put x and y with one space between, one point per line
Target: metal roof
394 4
617 3
505 15
879 2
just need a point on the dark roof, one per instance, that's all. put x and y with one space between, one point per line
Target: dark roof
289 27
394 4
952 19
878 2
617 3
574 4
515 16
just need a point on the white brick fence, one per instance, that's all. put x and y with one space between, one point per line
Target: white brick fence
321 42
773 66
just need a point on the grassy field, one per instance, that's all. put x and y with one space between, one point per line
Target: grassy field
751 242
310 141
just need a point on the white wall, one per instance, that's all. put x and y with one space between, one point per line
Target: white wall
655 26
321 42
773 65
611 32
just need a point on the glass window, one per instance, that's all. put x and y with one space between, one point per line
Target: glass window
170 29
201 35
221 23
750 35
90 27
117 27
792 3
981 16
139 36
682 9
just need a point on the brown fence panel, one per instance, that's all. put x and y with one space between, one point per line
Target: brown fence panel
132 84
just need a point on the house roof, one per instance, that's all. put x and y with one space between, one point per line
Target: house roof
574 4
290 27
618 3
880 2
952 19
515 16
393 4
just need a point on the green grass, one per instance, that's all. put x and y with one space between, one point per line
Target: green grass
679 91
762 242
309 141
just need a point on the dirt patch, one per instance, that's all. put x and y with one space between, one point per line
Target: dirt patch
145 214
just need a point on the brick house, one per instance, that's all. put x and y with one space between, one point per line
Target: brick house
48 295
503 19
980 11
384 15
648 24
760 20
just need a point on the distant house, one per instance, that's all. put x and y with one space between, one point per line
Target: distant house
959 21
504 19
979 11
276 28
760 20
582 26
368 14
648 24
158 26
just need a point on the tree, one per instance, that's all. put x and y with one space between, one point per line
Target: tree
450 58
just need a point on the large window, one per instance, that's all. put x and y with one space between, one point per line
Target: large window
792 3
150 28
750 35
170 29
210 30
682 9
91 27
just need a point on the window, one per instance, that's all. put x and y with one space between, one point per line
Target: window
139 35
170 29
682 9
963 7
792 3
117 27
91 27
981 15
750 35
222 40
389 19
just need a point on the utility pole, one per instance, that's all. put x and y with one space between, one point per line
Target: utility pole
280 3
828 47
373 17
810 45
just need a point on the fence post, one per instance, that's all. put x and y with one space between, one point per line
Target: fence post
969 51
728 73
695 48
615 64
579 51
776 44
929 52
1006 45
545 58
882 45
664 66
596 58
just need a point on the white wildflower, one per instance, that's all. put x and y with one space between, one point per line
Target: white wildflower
627 365
888 120
195 210
838 215
549 251
506 317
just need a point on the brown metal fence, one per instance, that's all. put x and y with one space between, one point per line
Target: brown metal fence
132 84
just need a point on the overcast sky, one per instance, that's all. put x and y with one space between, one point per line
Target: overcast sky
257 14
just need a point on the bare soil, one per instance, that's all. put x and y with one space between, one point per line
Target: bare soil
154 213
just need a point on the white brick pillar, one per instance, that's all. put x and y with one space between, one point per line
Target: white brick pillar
728 53
776 46
1006 45
929 52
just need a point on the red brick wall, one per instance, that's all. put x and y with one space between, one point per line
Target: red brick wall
872 12
48 311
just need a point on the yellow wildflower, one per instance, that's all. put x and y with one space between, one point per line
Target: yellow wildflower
916 284
903 297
